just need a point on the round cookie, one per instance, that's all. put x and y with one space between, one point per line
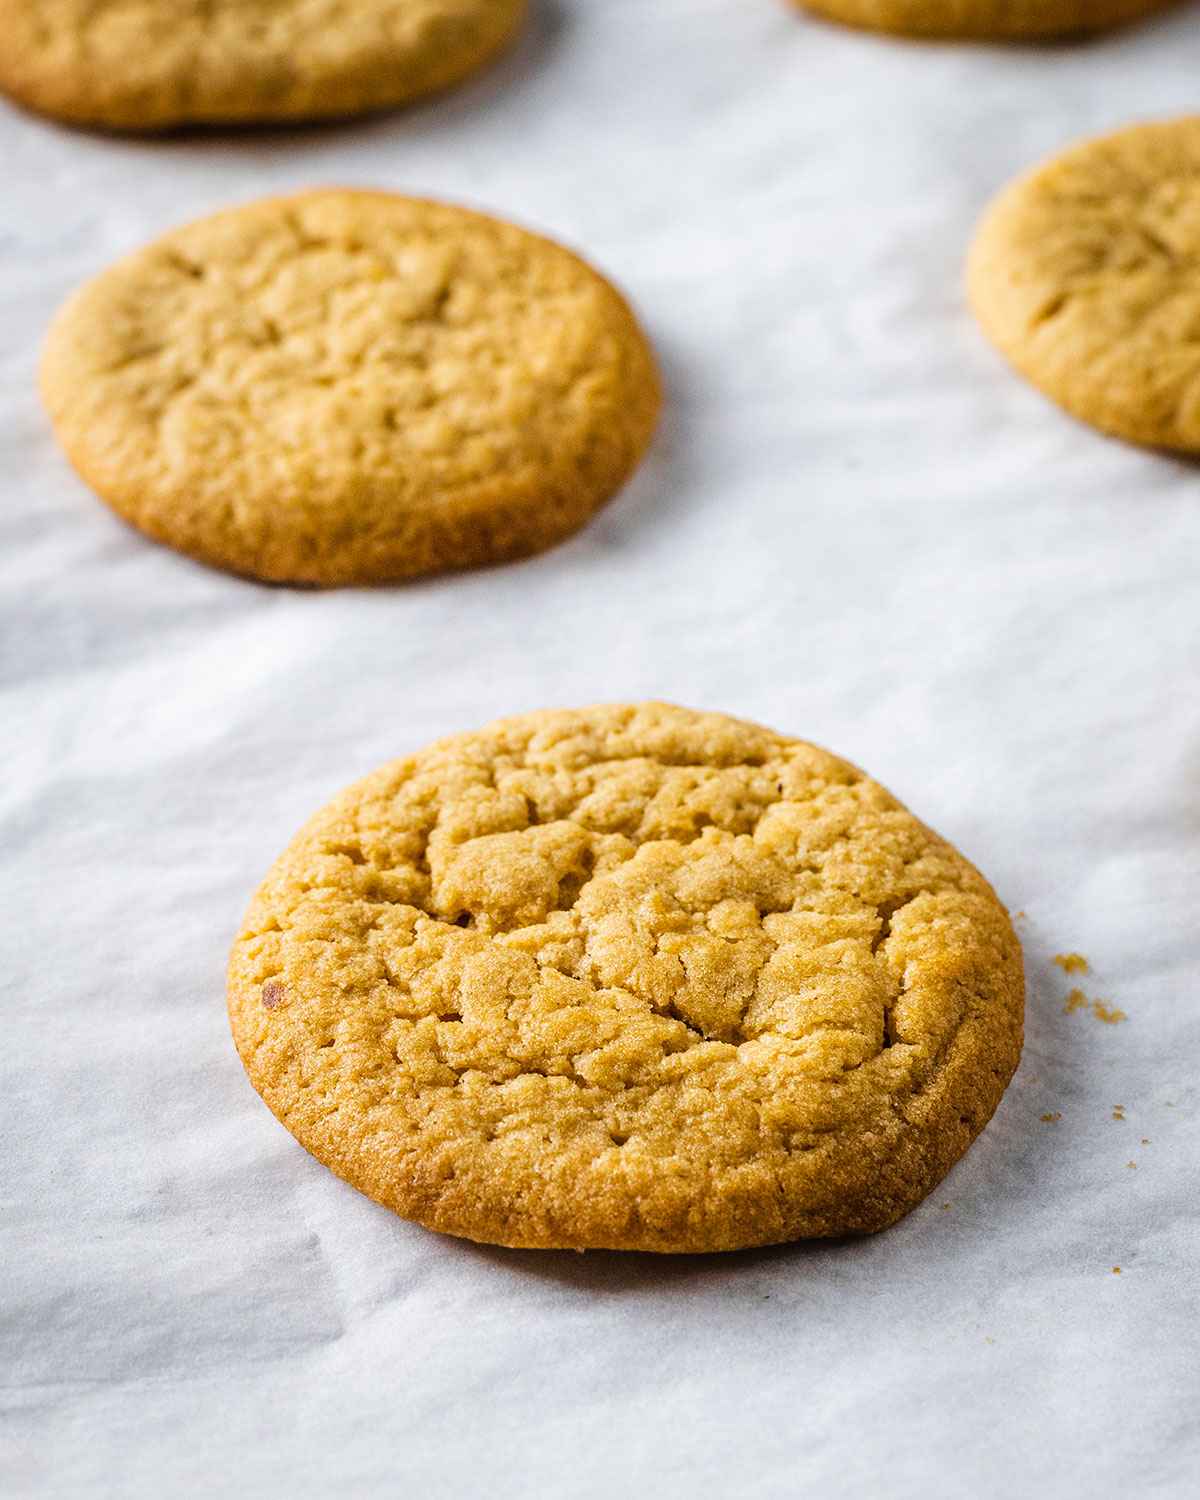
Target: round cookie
981 20
347 387
155 64
1086 274
631 977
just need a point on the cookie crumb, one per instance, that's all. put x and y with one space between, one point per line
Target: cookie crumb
273 994
945 1208
1132 1165
1071 963
1116 1270
1145 1140
1052 1119
1109 1014
1118 1112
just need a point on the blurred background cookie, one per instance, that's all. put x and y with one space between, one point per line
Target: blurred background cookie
1000 20
347 386
153 64
1085 273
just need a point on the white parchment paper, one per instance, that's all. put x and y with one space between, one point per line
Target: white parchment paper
856 526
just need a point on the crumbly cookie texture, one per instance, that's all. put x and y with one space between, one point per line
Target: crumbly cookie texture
150 65
632 977
999 20
345 387
1086 275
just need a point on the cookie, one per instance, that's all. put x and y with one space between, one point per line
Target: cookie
348 387
632 977
146 65
998 20
1086 275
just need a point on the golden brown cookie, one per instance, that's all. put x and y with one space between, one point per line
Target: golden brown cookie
998 20
345 387
632 977
154 64
1086 274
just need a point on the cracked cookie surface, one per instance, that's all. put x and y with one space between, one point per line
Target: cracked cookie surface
346 386
155 64
633 977
1086 274
998 20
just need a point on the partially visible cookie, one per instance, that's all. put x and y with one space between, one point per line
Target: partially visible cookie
999 20
154 64
1086 274
347 387
632 977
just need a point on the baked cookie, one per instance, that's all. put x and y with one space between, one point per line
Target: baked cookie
1086 274
345 387
154 64
628 977
997 20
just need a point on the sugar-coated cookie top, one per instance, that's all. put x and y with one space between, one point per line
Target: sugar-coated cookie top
631 976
